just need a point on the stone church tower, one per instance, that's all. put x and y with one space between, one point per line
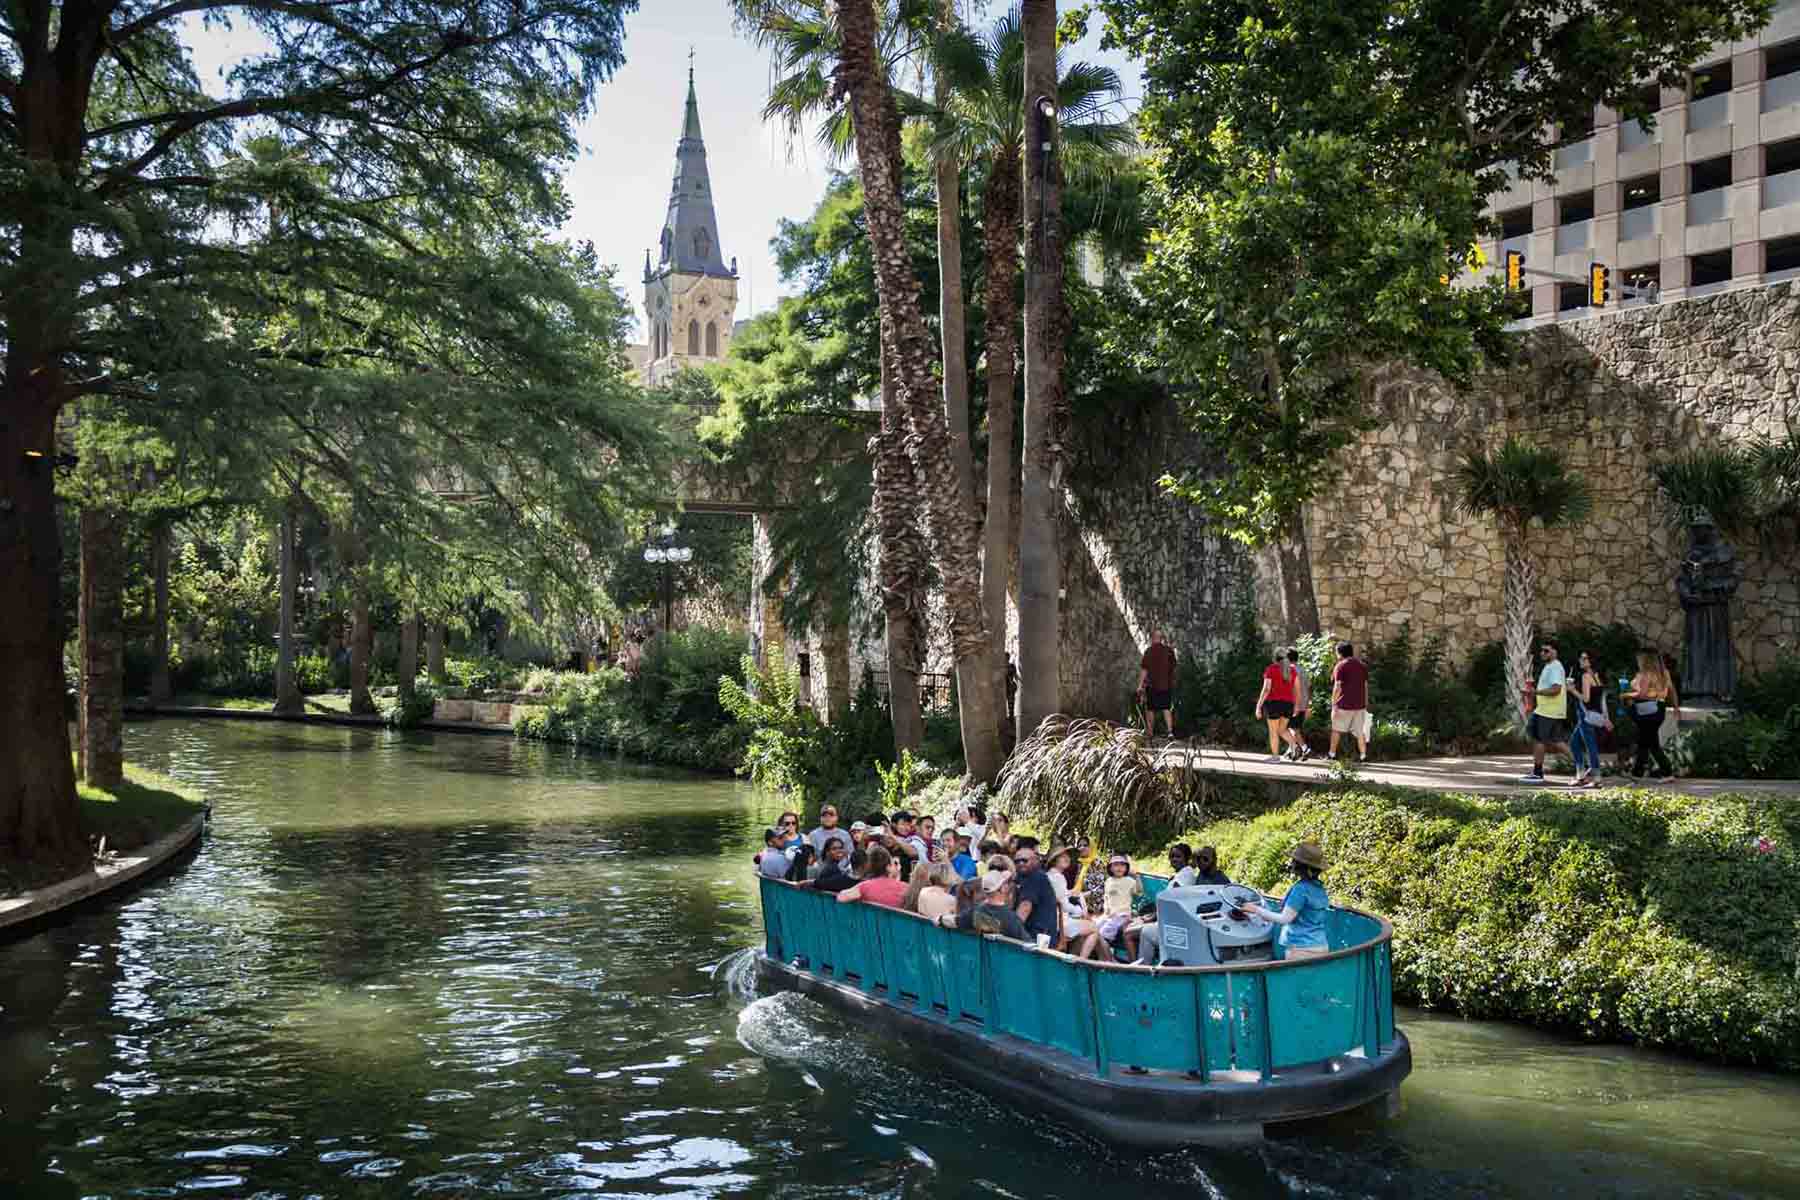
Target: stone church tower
690 295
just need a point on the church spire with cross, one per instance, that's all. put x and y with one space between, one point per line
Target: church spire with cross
690 236
690 294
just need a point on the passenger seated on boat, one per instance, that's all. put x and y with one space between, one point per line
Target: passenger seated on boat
1122 887
1076 923
1034 897
962 861
990 853
928 835
802 866
906 832
790 830
773 861
829 831
831 859
929 893
842 872
995 912
1203 868
1304 909
880 884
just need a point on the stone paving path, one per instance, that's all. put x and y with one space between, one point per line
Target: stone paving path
1483 774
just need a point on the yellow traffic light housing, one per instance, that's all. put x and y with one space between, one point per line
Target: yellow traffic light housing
1515 270
1599 285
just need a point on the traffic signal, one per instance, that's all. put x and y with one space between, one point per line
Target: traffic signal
1599 285
1515 270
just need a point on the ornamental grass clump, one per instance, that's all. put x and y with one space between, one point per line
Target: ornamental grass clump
1083 775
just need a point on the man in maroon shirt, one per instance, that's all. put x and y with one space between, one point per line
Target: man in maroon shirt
1350 700
1156 684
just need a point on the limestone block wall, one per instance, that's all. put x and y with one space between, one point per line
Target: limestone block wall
1133 558
1614 393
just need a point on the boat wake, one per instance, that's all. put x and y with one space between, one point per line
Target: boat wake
735 974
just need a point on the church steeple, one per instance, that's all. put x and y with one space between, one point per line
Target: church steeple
690 236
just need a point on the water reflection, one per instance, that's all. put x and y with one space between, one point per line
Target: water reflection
465 966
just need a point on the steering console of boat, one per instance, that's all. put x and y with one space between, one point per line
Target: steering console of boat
1206 925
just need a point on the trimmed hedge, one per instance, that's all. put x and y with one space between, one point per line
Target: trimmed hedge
1653 918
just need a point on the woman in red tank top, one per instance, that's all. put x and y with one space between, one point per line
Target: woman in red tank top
1275 703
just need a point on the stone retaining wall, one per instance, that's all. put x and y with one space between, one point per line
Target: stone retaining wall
1613 393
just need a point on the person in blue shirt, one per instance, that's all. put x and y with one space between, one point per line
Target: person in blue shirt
963 861
1304 908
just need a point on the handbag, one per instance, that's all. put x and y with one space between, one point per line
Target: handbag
1596 716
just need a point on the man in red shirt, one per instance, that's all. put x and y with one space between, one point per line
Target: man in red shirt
1156 684
1350 700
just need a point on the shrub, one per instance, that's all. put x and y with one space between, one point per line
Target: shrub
1633 916
409 713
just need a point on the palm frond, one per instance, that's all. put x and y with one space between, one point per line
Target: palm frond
1076 776
1520 483
1718 483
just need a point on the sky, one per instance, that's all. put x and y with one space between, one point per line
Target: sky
619 183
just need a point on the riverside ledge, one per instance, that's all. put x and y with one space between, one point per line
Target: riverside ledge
24 911
434 725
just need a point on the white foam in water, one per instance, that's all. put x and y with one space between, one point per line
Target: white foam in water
919 1156
782 1027
737 972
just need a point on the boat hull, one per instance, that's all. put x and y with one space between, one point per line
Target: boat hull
1152 1110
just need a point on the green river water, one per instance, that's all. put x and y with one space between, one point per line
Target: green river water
417 965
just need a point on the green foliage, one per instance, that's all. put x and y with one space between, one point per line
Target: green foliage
1771 692
410 712
1716 483
1761 740
486 673
897 781
1094 777
1642 917
1519 484
680 675
789 748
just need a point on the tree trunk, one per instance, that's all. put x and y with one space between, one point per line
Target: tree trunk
288 700
953 531
951 311
160 537
834 648
1284 568
1000 234
1040 564
434 652
1521 601
407 668
901 566
362 645
102 712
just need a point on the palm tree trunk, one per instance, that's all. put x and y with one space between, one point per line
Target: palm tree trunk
901 567
102 619
1521 599
287 687
362 645
1040 564
1000 224
953 531
951 323
160 691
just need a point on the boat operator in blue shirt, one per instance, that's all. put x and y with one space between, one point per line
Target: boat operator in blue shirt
1304 908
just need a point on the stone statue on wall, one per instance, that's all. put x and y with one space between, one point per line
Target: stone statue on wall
1709 575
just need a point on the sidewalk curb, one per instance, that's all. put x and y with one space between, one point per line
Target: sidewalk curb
20 915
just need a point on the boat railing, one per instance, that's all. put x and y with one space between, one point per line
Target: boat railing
1240 1022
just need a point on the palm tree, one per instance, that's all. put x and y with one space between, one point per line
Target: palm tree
802 39
953 533
984 121
1517 485
806 36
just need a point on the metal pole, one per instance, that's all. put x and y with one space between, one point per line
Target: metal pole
668 601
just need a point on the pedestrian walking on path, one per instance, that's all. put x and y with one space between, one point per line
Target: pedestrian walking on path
1549 723
1302 749
1275 703
1587 717
1350 700
1649 696
1156 684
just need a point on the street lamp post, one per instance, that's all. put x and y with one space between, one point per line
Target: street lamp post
665 553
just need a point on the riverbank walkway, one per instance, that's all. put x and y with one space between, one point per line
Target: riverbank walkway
1485 774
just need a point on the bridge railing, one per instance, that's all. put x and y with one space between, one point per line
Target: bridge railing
1240 1022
